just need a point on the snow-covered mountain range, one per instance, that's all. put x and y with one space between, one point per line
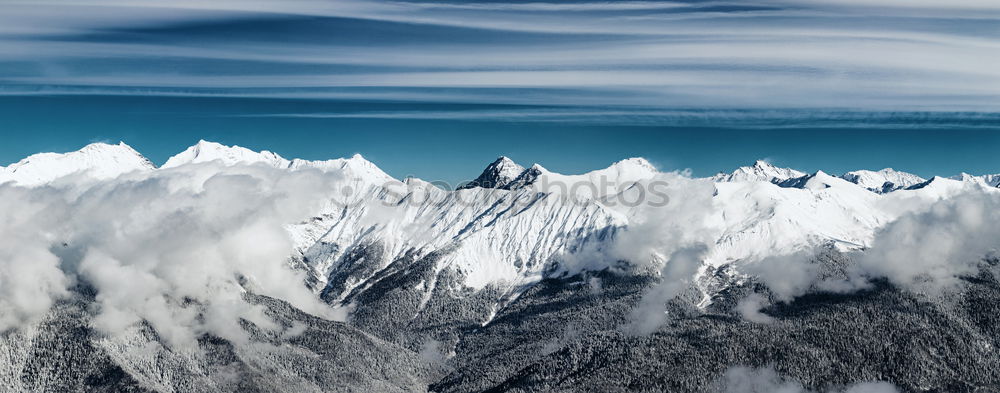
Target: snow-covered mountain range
513 224
106 161
459 290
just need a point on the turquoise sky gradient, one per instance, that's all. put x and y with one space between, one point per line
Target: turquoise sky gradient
452 147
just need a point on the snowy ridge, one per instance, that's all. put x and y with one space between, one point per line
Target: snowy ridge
595 184
489 235
355 167
508 175
205 151
815 181
97 160
942 183
882 181
104 161
987 180
763 219
759 171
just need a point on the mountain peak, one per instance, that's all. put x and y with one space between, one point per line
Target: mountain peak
104 146
760 171
206 151
636 164
626 171
98 160
497 174
355 167
967 177
359 167
816 181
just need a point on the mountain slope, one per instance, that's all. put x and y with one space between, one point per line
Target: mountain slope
564 336
64 353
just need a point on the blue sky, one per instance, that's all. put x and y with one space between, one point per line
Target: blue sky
453 147
438 88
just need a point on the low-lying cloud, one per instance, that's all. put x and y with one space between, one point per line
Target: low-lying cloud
767 380
670 238
676 275
926 249
787 276
681 217
749 308
930 249
926 246
176 248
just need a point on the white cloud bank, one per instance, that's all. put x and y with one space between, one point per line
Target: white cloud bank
176 248
926 250
929 249
787 276
670 235
919 240
749 308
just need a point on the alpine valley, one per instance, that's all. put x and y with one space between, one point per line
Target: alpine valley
332 276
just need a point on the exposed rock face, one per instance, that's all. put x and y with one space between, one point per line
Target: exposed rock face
496 175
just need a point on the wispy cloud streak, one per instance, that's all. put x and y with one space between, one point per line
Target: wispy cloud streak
879 55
